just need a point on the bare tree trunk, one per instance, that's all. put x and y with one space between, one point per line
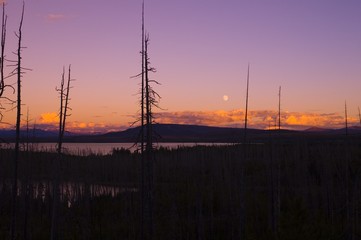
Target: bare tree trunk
279 108
246 113
66 105
56 164
242 208
148 100
346 123
2 57
26 184
148 150
61 114
275 172
242 189
64 102
278 186
142 223
17 137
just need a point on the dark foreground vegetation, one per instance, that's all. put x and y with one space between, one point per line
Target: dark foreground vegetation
277 190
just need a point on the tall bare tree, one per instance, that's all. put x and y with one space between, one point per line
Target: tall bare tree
279 108
64 99
142 135
63 114
19 72
150 100
2 56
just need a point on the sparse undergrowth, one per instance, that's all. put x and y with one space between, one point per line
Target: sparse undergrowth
198 193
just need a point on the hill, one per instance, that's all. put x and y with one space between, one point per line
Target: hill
181 133
186 133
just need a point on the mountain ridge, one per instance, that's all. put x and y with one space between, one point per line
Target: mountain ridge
179 133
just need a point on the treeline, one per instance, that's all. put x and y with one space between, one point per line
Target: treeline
289 190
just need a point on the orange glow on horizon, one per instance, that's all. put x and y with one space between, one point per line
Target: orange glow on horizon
261 119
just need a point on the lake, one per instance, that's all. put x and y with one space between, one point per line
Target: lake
103 148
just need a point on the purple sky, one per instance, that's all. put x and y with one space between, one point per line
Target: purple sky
200 48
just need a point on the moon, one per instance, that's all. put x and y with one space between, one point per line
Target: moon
225 98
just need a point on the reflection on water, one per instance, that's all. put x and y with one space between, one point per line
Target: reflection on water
70 192
102 148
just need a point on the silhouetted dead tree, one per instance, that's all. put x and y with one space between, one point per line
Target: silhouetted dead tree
246 114
148 210
242 192
26 186
359 115
275 177
346 120
56 164
142 84
142 217
65 110
279 108
63 114
148 99
2 57
140 142
19 72
151 100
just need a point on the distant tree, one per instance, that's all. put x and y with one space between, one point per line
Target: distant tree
242 192
25 184
346 123
64 106
275 177
246 113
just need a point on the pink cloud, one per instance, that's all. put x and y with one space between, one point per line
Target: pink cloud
55 17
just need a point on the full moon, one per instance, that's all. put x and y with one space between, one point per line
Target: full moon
225 98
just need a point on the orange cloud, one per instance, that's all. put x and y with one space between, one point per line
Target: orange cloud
256 119
261 119
49 118
92 127
211 118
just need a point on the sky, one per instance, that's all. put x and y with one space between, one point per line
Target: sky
201 50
